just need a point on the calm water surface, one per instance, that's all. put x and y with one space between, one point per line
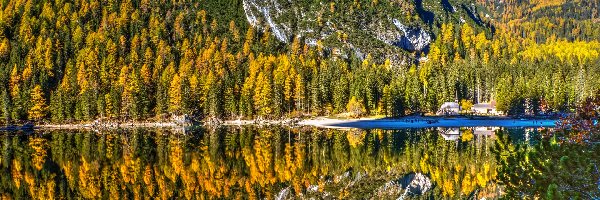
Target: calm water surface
254 163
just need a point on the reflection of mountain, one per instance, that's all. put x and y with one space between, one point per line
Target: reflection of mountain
226 163
449 133
415 184
454 133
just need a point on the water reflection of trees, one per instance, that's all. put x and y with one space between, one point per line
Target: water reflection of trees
247 162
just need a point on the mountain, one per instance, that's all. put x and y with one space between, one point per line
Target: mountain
395 30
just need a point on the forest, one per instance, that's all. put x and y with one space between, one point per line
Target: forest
69 61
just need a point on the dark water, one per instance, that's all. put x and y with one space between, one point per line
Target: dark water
253 163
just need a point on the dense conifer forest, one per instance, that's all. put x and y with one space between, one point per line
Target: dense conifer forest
68 61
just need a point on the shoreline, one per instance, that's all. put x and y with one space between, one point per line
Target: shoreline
108 126
425 122
326 122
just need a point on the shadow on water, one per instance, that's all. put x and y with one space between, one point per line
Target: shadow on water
425 15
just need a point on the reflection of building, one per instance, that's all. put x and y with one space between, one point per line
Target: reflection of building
449 133
449 108
485 131
486 109
178 130
453 134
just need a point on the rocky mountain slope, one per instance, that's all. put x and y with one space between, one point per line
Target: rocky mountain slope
397 30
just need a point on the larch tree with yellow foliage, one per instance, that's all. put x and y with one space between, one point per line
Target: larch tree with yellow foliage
175 94
38 109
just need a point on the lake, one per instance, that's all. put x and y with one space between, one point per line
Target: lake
257 163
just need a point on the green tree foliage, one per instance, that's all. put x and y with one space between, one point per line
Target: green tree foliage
548 169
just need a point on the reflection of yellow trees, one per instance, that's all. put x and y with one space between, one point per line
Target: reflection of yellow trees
149 179
49 187
458 172
260 160
165 187
40 189
111 181
109 145
356 138
259 167
190 182
265 158
213 176
129 168
285 167
16 173
207 176
299 154
89 179
38 156
176 156
466 186
467 135
67 168
30 181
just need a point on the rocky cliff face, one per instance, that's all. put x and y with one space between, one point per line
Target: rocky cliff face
343 35
412 39
353 30
268 11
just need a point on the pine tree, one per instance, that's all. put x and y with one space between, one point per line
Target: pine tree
109 106
14 82
49 57
315 93
340 94
134 88
288 86
214 95
299 92
387 101
5 106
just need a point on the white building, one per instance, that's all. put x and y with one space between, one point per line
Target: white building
486 109
449 108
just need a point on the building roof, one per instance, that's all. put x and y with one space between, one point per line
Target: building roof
448 105
491 105
482 106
